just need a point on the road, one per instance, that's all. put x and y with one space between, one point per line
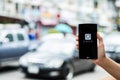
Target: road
14 73
99 74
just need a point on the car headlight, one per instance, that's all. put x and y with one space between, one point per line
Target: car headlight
23 61
117 50
55 63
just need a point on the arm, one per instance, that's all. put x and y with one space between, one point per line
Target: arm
106 63
111 67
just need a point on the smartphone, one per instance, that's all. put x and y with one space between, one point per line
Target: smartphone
87 41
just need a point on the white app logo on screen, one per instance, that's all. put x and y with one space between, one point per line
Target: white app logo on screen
87 36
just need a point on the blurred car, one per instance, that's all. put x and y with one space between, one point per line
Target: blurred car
112 45
55 58
13 44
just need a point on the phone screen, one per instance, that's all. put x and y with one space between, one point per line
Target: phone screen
88 41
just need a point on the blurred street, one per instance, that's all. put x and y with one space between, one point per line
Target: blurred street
40 36
13 73
97 75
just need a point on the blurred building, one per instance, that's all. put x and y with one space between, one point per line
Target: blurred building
51 12
117 4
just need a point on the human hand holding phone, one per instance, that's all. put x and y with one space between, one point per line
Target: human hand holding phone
101 50
106 63
100 47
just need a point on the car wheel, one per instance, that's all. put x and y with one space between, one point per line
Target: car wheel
27 75
0 65
70 73
92 69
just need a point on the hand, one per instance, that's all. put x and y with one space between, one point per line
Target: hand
101 50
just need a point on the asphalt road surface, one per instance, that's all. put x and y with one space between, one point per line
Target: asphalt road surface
14 73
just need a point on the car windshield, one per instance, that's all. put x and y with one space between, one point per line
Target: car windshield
57 47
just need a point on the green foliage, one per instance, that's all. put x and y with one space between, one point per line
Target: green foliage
52 30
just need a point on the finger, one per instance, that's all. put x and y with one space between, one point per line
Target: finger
77 44
77 47
100 38
77 38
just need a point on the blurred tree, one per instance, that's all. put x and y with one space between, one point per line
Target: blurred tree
52 30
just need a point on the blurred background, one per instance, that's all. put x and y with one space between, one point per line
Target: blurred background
37 38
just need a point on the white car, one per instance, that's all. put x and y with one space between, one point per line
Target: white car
112 45
13 44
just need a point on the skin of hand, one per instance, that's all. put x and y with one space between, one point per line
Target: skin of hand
101 50
106 63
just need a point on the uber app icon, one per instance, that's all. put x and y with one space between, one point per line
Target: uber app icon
87 36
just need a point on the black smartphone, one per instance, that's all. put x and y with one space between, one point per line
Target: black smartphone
88 41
